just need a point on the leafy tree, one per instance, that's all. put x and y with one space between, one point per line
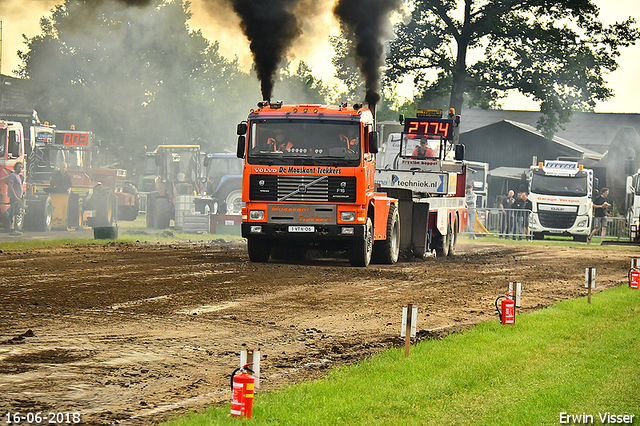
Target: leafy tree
347 70
135 76
554 51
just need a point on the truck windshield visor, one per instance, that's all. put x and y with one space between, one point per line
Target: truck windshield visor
321 141
576 186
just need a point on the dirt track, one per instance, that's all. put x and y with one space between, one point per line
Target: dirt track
132 333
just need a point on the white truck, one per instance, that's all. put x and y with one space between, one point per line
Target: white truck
561 196
633 205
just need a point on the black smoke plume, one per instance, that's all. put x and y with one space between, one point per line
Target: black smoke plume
368 25
271 27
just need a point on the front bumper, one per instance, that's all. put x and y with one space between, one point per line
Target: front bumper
345 232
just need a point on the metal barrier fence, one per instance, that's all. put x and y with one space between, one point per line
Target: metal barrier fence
510 223
617 228
506 223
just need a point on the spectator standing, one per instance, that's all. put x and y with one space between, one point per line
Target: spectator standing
601 206
518 222
61 180
471 199
14 190
528 207
506 204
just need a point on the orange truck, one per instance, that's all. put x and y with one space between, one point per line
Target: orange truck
309 183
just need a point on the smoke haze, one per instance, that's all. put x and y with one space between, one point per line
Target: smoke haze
270 27
368 25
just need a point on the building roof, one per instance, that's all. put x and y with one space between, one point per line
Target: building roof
586 153
508 172
592 130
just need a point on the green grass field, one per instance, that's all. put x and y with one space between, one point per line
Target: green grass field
570 358
127 232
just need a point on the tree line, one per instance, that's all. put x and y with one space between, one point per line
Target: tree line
139 76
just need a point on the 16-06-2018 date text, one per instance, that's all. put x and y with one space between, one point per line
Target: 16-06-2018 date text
38 418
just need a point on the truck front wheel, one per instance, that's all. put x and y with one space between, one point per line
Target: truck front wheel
387 251
259 249
361 250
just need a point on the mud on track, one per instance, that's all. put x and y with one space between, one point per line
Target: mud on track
131 333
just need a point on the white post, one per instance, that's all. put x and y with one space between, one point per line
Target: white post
518 292
252 356
590 277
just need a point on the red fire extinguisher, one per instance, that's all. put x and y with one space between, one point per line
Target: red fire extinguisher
634 278
242 387
507 310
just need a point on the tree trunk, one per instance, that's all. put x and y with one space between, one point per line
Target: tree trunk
459 76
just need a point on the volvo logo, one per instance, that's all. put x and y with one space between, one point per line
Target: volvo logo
343 184
302 189
261 182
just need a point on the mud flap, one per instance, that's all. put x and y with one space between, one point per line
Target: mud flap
420 243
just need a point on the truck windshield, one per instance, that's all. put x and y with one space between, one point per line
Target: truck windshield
319 142
576 186
420 146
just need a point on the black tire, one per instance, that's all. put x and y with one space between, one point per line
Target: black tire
540 236
162 213
105 233
453 239
259 249
39 215
361 250
442 243
579 238
387 251
151 212
231 201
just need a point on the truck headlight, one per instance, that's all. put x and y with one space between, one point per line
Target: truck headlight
256 215
582 223
348 216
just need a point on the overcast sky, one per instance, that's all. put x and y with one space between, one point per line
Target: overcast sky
22 17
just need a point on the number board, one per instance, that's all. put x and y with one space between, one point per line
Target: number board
429 127
73 138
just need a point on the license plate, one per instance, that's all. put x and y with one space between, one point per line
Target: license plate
555 231
302 229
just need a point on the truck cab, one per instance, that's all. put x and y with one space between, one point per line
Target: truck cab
561 195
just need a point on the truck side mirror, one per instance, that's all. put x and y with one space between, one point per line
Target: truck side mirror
459 154
242 141
158 160
241 129
373 142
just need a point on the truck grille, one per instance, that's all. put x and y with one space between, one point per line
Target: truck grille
557 220
333 189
